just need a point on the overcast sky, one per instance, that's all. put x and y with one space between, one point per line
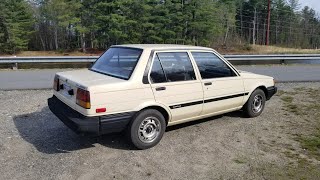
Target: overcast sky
314 4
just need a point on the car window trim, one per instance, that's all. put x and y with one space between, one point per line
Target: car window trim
164 73
167 51
150 64
220 58
227 62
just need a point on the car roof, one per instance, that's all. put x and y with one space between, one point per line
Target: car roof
162 47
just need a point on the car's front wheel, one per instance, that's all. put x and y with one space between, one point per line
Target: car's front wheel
255 104
146 129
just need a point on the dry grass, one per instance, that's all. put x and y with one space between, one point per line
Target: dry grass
258 49
52 53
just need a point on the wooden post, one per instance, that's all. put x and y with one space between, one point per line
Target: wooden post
15 66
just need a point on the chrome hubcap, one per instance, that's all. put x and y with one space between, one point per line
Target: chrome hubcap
149 129
257 103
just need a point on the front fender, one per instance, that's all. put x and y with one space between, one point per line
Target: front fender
252 84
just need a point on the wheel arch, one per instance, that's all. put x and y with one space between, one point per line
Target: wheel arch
247 107
264 89
162 110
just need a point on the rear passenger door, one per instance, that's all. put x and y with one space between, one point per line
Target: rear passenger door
223 87
175 85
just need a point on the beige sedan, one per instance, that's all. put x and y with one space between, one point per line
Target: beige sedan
144 88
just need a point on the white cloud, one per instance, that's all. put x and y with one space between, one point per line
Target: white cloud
314 4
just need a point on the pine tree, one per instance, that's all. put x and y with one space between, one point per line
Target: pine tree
15 24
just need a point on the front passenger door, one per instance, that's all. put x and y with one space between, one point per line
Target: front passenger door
223 87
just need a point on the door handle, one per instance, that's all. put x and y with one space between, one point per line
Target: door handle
160 88
208 83
70 92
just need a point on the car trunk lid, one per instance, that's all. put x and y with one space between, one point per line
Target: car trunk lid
70 81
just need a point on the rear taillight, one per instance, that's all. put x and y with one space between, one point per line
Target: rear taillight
56 85
83 98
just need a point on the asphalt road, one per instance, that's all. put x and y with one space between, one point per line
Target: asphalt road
42 79
27 79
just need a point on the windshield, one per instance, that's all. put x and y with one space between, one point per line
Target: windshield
118 62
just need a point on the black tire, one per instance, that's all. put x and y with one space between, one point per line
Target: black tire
251 107
147 121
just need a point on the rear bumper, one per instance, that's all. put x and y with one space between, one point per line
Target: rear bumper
271 91
92 125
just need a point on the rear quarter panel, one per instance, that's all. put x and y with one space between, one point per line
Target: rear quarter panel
125 98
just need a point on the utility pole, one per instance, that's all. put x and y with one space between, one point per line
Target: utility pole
268 24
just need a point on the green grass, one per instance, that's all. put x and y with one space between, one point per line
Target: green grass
291 154
287 99
310 109
304 103
293 109
311 144
301 169
280 93
289 106
240 160
313 93
299 88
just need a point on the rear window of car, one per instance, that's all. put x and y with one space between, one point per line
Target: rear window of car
117 62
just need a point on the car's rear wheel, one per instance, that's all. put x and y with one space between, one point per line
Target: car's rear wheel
146 129
255 104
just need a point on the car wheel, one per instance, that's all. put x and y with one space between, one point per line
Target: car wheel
255 104
146 129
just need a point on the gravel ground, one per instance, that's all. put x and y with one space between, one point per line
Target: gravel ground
34 144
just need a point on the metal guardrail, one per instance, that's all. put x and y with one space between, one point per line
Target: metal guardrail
279 58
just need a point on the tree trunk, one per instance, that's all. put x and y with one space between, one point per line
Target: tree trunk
241 23
257 36
91 39
254 27
42 43
226 35
276 32
227 30
264 34
56 38
83 42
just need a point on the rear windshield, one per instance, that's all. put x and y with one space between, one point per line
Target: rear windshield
117 62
